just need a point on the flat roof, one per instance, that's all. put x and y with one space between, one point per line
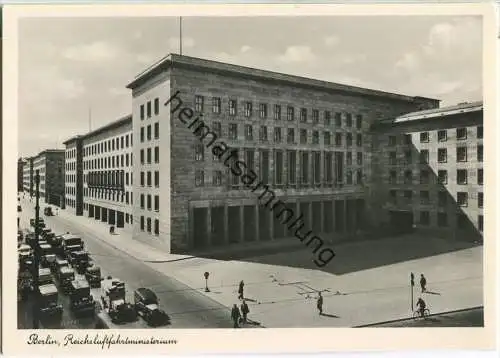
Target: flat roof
464 107
173 60
117 123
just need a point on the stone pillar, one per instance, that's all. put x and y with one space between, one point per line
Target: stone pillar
208 240
271 224
242 223
226 235
322 217
257 222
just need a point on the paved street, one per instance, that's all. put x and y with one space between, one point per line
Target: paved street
186 307
467 318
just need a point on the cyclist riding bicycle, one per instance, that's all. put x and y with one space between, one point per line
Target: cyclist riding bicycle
421 306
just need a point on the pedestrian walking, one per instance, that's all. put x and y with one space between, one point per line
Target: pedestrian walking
244 311
235 315
319 303
423 282
240 290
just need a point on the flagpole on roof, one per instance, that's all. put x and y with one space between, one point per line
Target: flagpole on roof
180 35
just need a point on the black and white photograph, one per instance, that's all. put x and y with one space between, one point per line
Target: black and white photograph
250 172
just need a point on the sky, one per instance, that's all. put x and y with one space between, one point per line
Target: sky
68 65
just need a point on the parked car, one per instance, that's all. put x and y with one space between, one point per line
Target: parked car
47 254
146 305
58 263
81 300
48 302
65 276
93 276
79 260
48 211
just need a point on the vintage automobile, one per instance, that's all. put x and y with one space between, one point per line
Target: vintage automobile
65 276
48 302
24 283
58 263
71 243
48 211
93 276
45 277
146 305
57 245
47 255
81 300
79 260
24 252
45 232
41 223
114 302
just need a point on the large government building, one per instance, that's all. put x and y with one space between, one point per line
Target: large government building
209 145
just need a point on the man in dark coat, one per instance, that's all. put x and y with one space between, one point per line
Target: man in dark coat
240 290
319 303
423 282
244 311
235 315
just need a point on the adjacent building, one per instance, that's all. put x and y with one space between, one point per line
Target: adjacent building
99 173
50 165
28 176
21 163
309 143
428 166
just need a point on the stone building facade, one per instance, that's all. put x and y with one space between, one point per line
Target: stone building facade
50 164
428 167
100 173
28 176
21 163
309 141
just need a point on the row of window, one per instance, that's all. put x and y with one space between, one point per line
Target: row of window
111 179
146 109
442 220
442 136
146 202
146 159
442 177
111 195
108 145
146 225
70 165
277 112
146 179
70 178
462 198
71 153
442 155
146 133
116 161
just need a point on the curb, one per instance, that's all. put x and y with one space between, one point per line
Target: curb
411 319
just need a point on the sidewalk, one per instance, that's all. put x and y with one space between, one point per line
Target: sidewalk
282 287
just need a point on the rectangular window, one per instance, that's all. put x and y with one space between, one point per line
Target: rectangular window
338 119
157 106
248 132
277 112
462 176
142 201
263 110
142 134
217 129
248 109
392 158
408 157
480 200
424 137
461 133
277 135
348 140
148 222
157 179
424 218
148 156
278 167
290 136
359 121
442 177
149 178
199 178
303 136
479 132
292 167
264 166
392 141
233 131
327 138
232 107
359 140
480 176
315 118
126 142
393 178
157 130
359 177
442 136
148 109
217 178
199 152
424 156
263 134
198 104
142 156
216 105
339 167
393 194
442 199
480 223
348 119
304 168
148 202
317 167
424 197
442 155
349 158
408 194
462 199
142 111
157 227
328 118
408 177
480 153
348 177
315 137
461 154
303 115
148 132
290 113
142 223
157 203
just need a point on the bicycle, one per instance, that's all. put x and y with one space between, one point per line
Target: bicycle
417 314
